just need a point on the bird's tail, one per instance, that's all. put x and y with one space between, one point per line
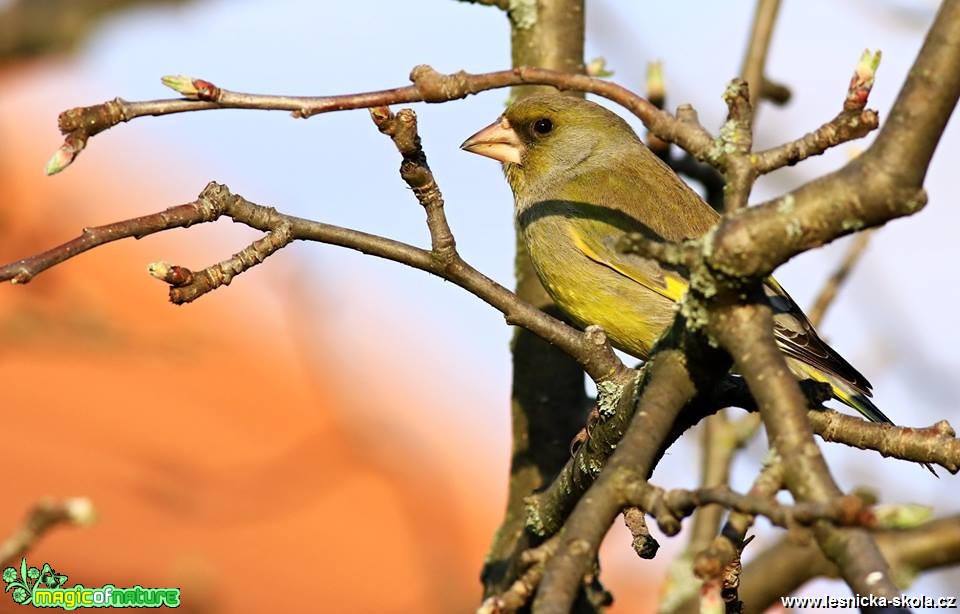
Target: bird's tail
860 402
843 391
846 394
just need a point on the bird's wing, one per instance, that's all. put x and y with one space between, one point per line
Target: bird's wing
646 272
794 333
642 195
631 189
797 338
626 201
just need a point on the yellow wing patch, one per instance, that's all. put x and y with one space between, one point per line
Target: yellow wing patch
665 284
676 287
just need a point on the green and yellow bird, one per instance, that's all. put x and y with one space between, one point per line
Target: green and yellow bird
581 178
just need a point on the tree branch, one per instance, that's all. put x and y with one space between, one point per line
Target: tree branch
643 543
935 444
680 365
669 388
44 516
670 507
216 200
747 333
721 439
787 565
755 59
78 124
870 190
853 122
548 401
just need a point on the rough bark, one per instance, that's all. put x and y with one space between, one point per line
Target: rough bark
548 400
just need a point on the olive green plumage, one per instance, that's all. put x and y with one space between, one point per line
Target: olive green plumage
583 179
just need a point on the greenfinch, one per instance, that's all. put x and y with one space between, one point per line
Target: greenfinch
581 178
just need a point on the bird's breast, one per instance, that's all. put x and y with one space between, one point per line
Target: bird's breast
591 293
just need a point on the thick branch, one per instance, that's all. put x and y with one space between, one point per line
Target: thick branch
747 333
924 104
668 389
670 507
548 509
522 590
934 445
682 363
547 398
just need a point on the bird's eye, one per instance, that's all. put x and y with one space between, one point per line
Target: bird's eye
542 126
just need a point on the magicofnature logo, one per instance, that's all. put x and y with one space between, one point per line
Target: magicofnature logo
44 588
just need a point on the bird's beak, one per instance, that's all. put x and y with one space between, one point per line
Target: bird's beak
498 141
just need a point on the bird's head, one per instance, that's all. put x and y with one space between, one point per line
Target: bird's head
538 137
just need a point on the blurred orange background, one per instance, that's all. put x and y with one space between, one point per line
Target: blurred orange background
225 452
219 455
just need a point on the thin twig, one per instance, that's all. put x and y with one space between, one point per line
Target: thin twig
78 124
755 58
766 486
216 200
44 516
187 286
402 128
720 562
669 507
644 544
657 95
